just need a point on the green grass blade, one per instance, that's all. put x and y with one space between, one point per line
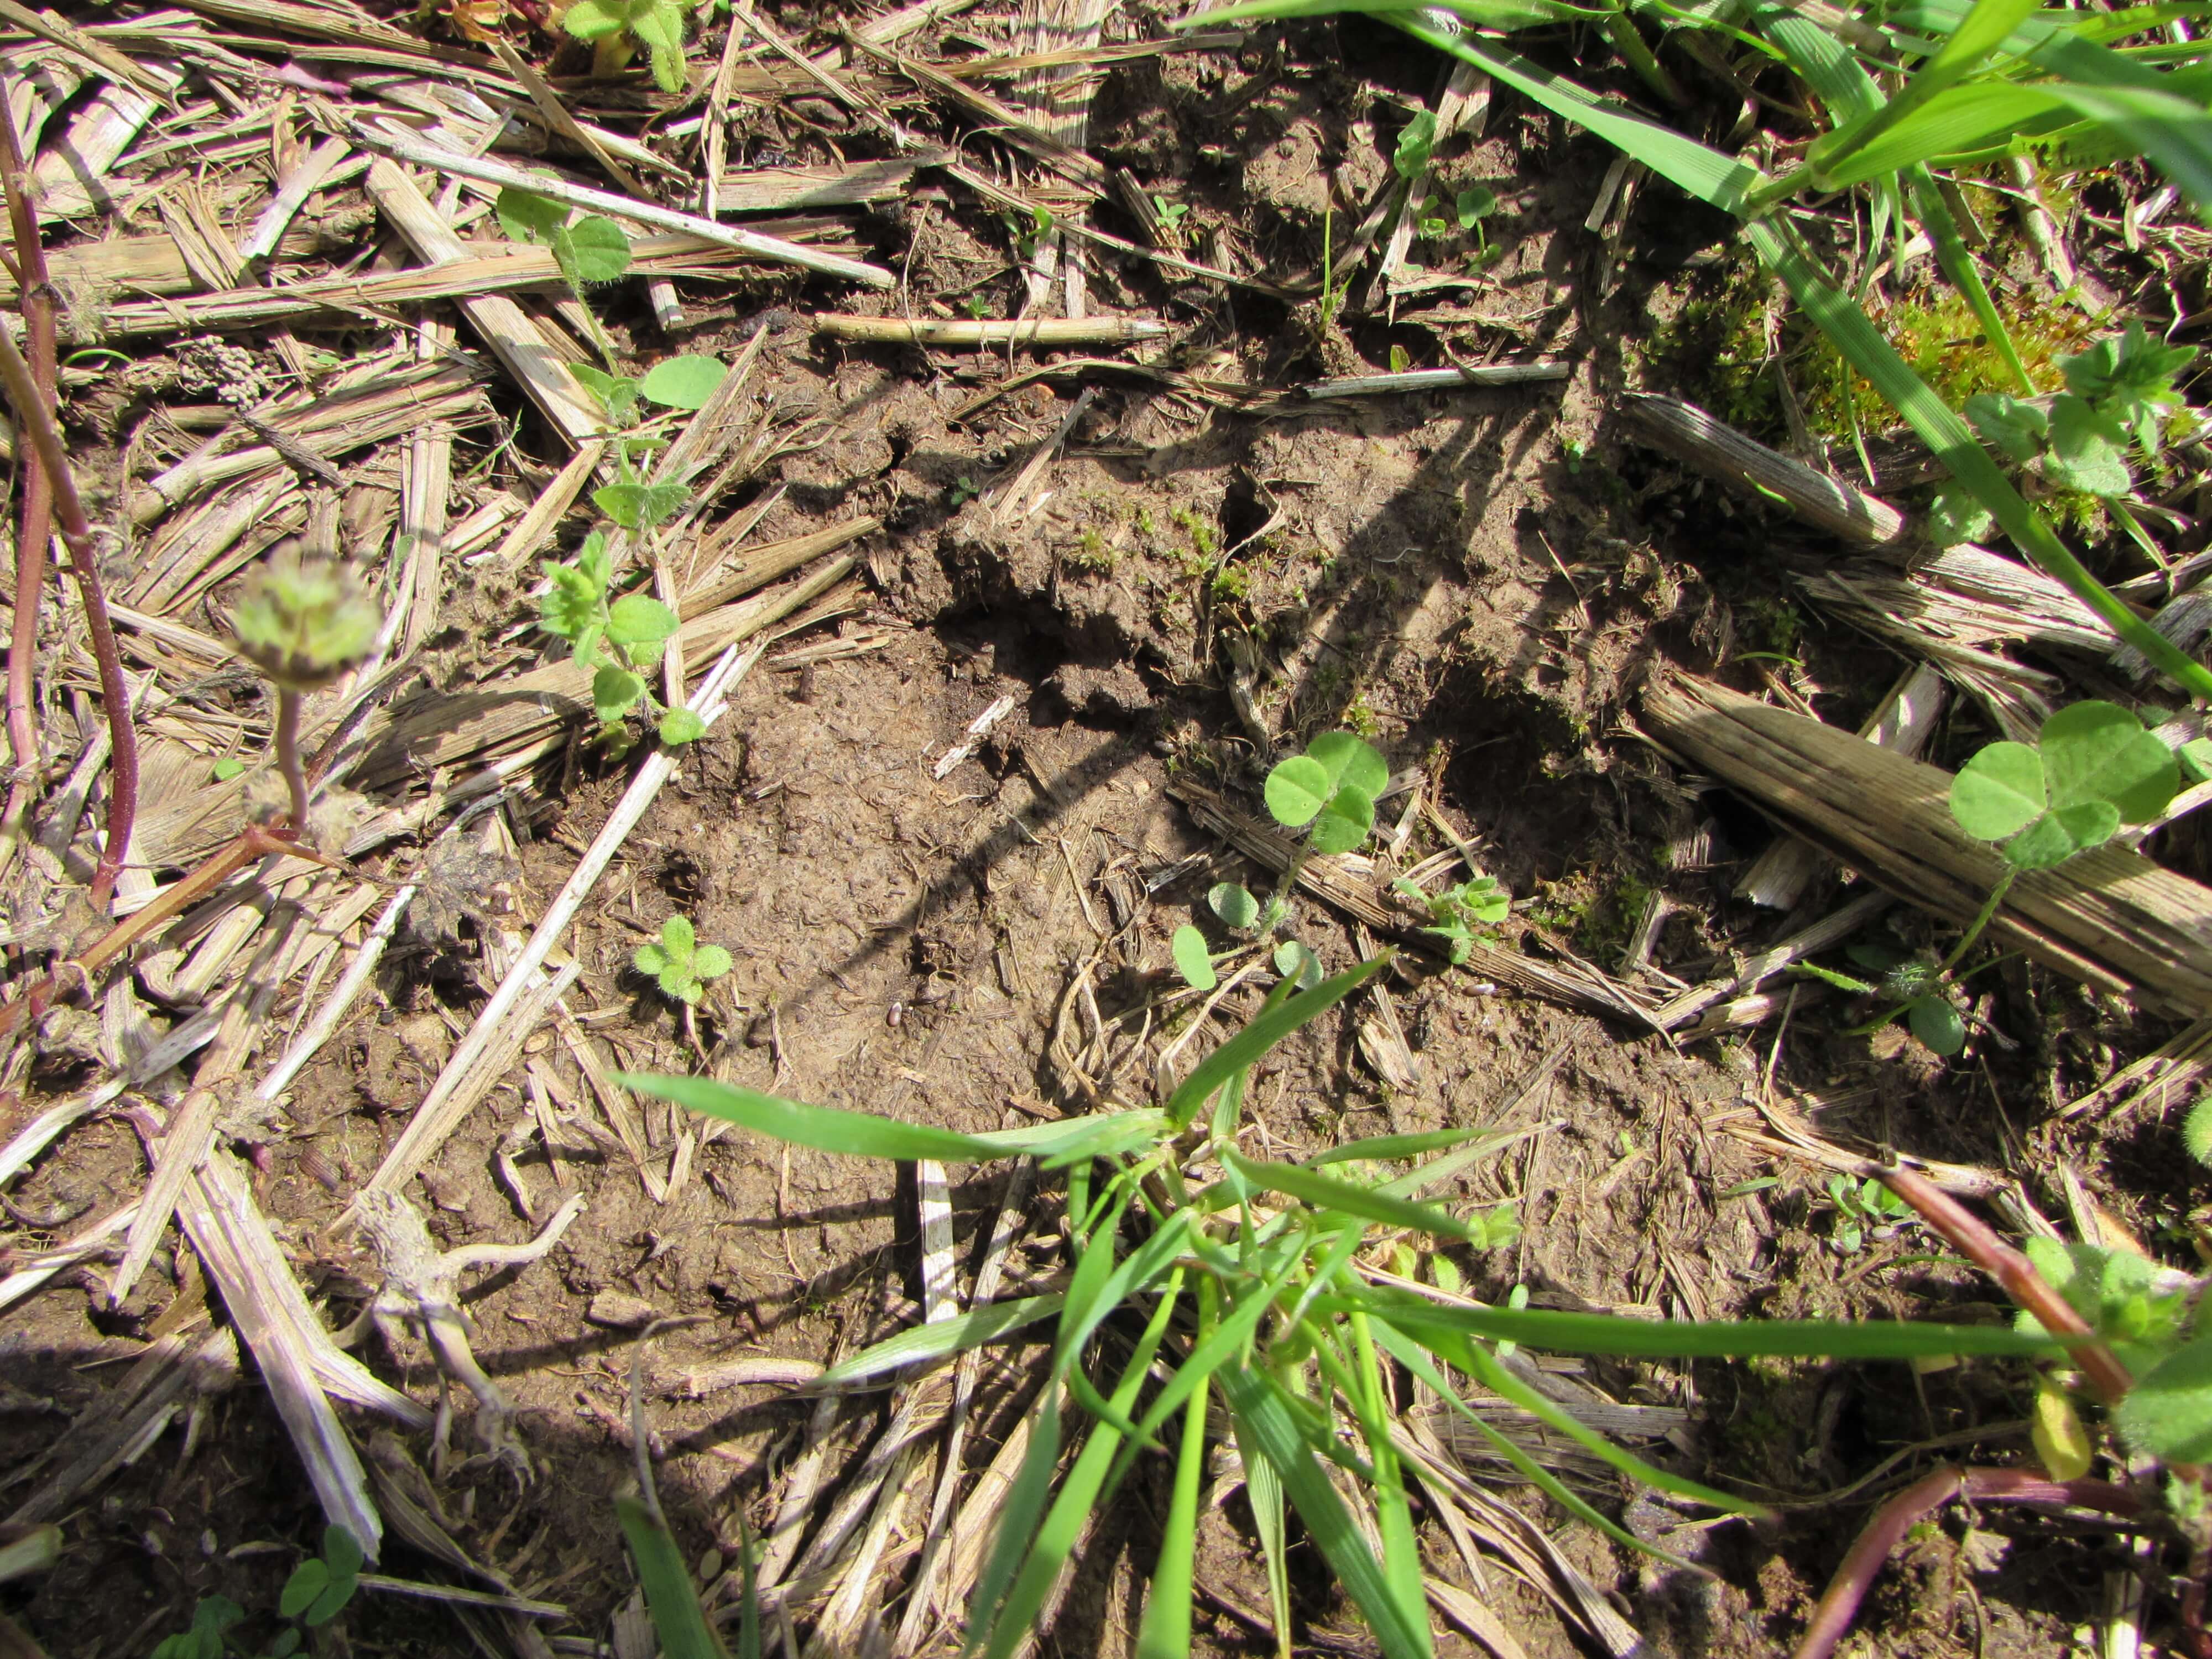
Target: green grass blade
1951 252
1267 1432
1017 1520
863 1134
1401 1554
1062 1527
938 1339
1962 120
1410 1354
1668 1339
669 1597
749 1624
1382 1148
1117 1282
1984 31
1329 1195
1269 1028
1164 1632
1265 1488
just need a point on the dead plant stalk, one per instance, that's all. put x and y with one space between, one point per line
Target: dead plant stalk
34 418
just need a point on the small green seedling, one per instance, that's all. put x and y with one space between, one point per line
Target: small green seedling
1400 359
681 964
1170 214
612 24
302 621
1331 786
1027 230
1463 916
673 383
1417 142
2121 389
320 1586
2091 769
1866 1208
964 490
589 251
620 642
228 767
316 1593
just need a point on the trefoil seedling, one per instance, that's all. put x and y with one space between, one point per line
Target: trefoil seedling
303 621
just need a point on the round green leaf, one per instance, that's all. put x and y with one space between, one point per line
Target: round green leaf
1192 959
593 250
678 982
684 382
710 962
2169 1412
588 20
2042 845
649 959
308 1580
1297 789
1998 792
679 726
2195 759
1937 1024
1349 763
1234 903
678 938
1345 821
1297 964
2089 823
527 216
2099 751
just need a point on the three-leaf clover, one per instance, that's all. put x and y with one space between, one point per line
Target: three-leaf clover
681 964
2091 769
1331 786
321 1585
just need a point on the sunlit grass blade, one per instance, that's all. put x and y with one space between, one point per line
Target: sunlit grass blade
1402 1555
1144 1267
938 1339
1017 1520
1265 1430
1433 1174
1962 119
1669 1339
670 1600
1264 1487
1952 253
1981 33
1416 1360
1062 1527
862 1134
1478 1362
1164 1632
1269 1028
1327 1194
1386 1148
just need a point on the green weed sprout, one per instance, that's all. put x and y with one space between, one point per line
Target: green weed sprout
681 964
1863 1207
1463 916
1238 1290
316 1593
620 642
1331 786
590 251
302 621
2091 769
675 383
657 25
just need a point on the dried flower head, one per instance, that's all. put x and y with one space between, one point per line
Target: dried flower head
304 621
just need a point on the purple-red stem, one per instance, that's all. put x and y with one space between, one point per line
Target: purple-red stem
1840 1604
36 527
34 418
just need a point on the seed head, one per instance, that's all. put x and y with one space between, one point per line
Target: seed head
303 621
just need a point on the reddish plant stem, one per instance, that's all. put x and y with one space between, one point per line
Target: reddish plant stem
1973 1238
36 528
1839 1605
35 419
